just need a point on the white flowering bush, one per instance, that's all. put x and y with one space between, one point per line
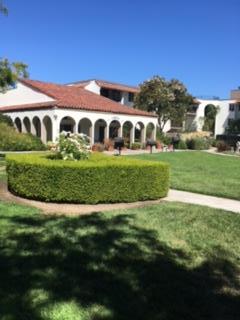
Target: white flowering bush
73 146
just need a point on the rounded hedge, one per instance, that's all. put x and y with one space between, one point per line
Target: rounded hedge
101 179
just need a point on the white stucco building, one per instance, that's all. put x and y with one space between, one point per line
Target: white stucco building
227 110
45 109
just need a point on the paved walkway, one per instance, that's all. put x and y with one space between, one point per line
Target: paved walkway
80 209
204 200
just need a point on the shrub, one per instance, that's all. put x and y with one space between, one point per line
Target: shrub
108 144
136 146
222 146
73 146
6 119
100 179
193 135
99 147
181 145
11 140
198 144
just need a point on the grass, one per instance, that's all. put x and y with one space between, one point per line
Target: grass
201 172
168 261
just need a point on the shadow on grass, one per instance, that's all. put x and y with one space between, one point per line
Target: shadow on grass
108 261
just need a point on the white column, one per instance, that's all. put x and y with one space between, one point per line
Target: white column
106 132
33 129
55 127
92 134
154 133
132 135
143 135
120 131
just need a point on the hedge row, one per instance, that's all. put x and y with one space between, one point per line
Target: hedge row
11 140
101 179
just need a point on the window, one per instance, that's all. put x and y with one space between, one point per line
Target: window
231 107
239 107
130 96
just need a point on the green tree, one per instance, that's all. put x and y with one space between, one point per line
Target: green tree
234 126
210 117
170 100
10 71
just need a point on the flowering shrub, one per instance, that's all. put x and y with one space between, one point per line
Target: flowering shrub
73 146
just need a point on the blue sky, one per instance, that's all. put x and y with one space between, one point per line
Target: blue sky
195 41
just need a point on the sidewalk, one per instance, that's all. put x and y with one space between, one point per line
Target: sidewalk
204 200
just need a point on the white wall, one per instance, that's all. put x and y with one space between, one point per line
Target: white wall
222 116
93 87
22 94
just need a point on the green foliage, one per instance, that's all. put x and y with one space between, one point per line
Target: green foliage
181 145
6 119
169 99
198 144
136 146
163 138
73 146
11 140
99 179
234 126
10 72
209 118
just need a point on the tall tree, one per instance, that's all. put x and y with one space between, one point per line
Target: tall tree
10 71
170 100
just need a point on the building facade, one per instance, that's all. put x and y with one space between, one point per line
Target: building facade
46 109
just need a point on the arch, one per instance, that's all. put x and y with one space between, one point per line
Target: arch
36 126
210 112
100 129
18 124
68 124
114 129
139 132
26 125
46 133
128 133
85 126
150 128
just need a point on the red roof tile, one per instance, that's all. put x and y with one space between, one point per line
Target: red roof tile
74 98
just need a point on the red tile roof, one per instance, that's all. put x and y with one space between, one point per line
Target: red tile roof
72 97
107 85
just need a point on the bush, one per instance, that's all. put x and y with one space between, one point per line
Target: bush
73 146
164 138
136 146
11 140
198 144
108 144
181 145
6 119
99 147
222 146
101 179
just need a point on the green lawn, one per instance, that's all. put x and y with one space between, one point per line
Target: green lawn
168 261
202 172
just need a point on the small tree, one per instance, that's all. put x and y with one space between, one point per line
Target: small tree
170 100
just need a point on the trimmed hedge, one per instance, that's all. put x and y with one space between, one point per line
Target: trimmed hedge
101 179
